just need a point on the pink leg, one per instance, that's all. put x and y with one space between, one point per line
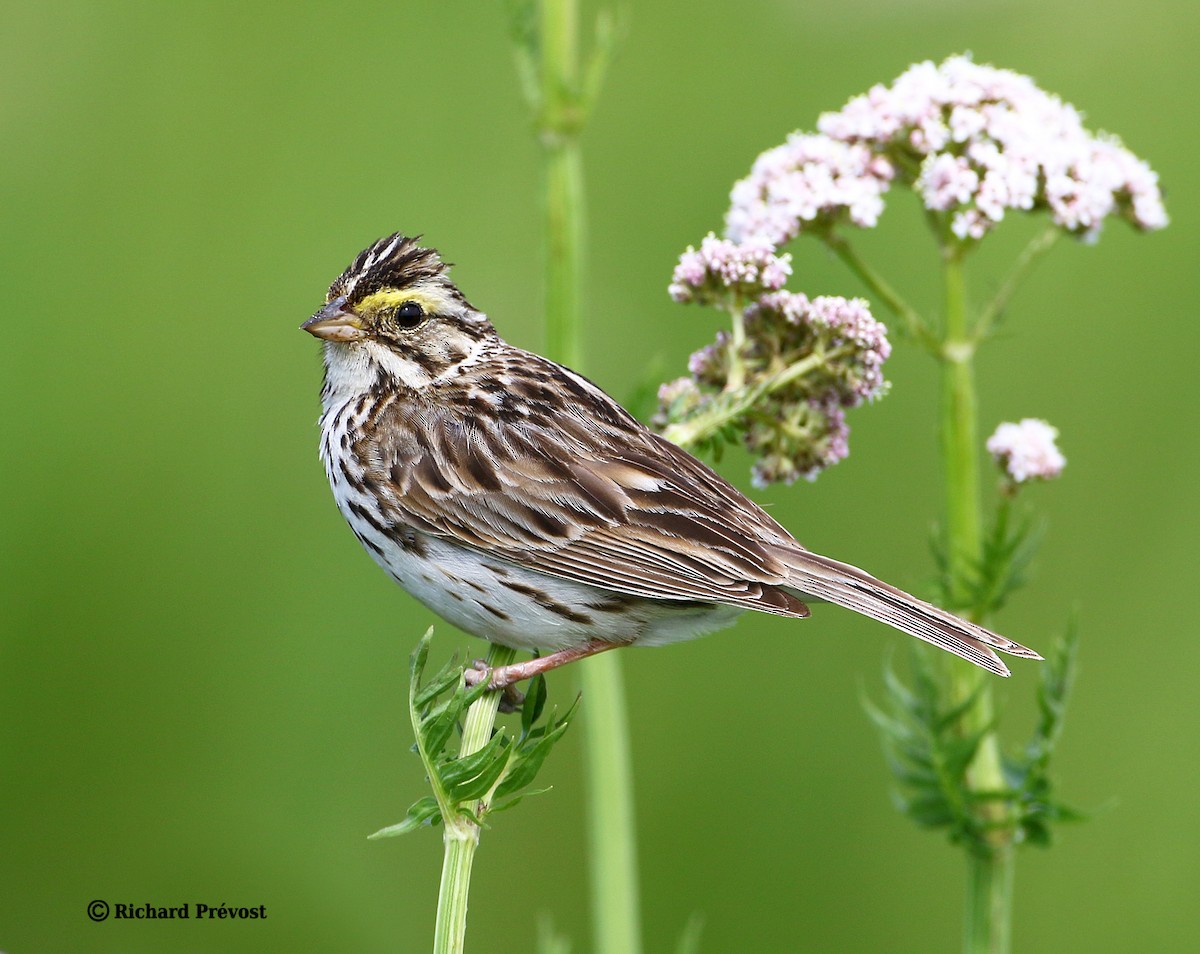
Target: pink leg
507 675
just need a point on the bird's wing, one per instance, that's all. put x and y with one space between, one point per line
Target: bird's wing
589 495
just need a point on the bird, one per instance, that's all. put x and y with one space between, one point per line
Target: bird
524 505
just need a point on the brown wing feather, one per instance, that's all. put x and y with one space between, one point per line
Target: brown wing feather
583 492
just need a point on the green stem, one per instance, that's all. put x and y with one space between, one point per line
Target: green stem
990 875
613 855
988 924
563 200
461 836
960 458
1038 246
616 916
564 245
914 325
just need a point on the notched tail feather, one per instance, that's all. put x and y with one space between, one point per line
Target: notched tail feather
822 578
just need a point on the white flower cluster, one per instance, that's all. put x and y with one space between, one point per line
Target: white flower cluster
974 141
721 267
1026 451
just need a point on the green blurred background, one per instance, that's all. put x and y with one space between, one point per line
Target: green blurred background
202 675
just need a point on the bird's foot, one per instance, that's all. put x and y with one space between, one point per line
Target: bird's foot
511 697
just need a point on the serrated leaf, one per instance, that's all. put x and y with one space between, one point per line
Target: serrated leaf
437 727
420 813
950 718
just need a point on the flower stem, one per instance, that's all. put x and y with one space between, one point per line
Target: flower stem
914 325
964 533
987 928
1038 246
461 836
611 828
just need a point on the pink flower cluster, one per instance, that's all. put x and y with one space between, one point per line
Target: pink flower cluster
808 180
973 141
1026 451
723 271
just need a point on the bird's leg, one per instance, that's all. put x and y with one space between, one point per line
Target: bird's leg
504 676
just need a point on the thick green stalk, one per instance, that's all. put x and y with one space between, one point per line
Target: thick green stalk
461 836
960 455
564 244
613 855
616 918
563 202
987 928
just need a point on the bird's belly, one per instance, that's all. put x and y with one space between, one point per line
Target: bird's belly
516 606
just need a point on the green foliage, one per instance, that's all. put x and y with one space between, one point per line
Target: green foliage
471 785
929 755
1029 774
570 104
1003 567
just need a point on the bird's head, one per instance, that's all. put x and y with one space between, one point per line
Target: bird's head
396 312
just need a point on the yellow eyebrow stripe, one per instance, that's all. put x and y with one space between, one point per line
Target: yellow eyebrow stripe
394 298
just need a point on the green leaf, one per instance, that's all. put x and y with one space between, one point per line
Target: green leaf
535 702
438 726
529 758
417 660
513 801
467 767
478 785
421 813
446 678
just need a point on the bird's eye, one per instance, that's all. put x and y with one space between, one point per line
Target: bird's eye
409 315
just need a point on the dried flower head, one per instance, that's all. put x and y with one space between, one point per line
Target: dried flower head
789 325
804 440
973 141
1026 451
803 361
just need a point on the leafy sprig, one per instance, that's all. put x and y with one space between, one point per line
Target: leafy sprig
469 785
930 757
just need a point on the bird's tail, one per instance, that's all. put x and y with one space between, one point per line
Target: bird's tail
821 578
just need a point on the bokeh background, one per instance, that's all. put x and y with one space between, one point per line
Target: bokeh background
202 675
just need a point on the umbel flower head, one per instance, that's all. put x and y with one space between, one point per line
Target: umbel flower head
973 141
1027 451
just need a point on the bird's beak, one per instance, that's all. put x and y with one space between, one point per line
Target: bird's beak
335 322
